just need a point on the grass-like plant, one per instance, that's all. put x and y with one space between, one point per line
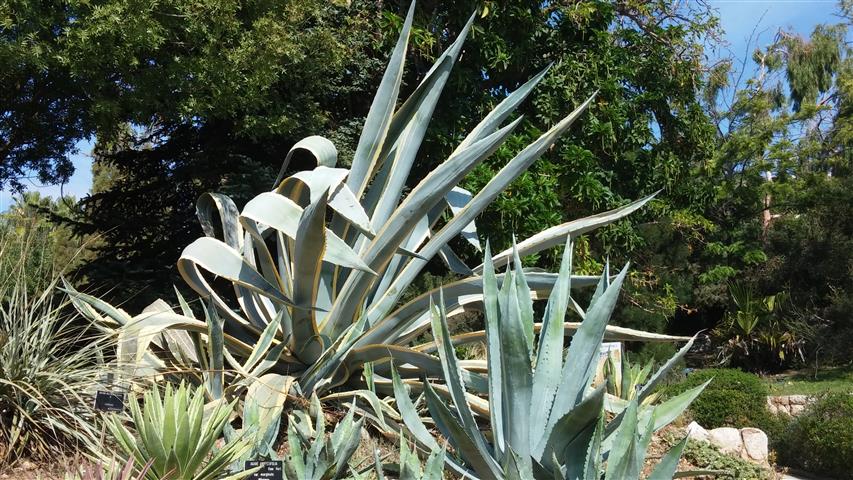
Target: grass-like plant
111 470
49 367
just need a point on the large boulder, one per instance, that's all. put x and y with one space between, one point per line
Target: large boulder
698 433
754 444
727 439
747 443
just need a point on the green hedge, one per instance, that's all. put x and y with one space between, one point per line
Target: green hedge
733 399
820 440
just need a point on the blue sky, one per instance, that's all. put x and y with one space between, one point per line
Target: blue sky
738 17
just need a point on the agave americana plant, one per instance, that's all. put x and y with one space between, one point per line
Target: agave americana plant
546 419
319 264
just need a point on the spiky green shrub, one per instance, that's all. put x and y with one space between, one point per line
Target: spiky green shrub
49 367
177 435
314 455
318 265
545 420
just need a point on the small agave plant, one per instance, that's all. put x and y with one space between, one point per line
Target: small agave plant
319 264
546 420
312 455
175 436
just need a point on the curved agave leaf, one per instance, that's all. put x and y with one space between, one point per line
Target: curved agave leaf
378 120
283 214
412 319
323 151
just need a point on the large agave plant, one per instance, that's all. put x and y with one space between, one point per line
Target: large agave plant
319 264
546 419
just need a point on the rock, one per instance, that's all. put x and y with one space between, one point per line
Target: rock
754 444
727 439
797 409
797 399
697 432
783 400
772 408
27 465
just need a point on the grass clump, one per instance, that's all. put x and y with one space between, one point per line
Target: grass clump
48 370
49 358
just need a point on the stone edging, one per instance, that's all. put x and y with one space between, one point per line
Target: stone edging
789 404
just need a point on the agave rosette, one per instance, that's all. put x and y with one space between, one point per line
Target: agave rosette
319 264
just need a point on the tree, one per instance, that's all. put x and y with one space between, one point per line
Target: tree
782 208
43 104
207 96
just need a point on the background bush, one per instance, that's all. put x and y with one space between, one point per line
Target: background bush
733 399
820 440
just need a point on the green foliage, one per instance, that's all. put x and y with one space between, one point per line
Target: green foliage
781 202
42 105
733 399
176 432
49 368
545 421
759 331
706 456
315 456
820 439
33 249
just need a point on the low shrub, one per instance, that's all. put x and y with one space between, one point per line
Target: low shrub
820 440
707 457
733 399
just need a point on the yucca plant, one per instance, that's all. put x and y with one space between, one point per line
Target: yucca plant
177 435
545 419
49 367
319 264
